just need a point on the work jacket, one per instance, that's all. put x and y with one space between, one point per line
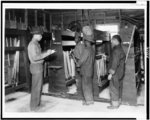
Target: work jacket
86 61
117 62
78 50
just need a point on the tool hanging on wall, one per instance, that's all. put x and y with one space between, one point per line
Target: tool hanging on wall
65 65
11 44
68 63
15 72
69 66
8 68
129 92
72 66
130 43
101 68
70 73
8 53
98 72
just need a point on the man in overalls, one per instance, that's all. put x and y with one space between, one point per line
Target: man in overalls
86 64
79 46
116 71
36 58
76 54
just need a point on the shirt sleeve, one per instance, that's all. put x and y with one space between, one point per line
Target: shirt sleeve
83 58
34 54
115 62
76 52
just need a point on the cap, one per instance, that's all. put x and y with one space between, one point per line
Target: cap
36 30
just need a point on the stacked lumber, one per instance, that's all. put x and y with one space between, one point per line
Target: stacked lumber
101 68
12 63
69 65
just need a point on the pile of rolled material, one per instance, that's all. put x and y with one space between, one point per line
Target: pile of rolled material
69 66
13 62
101 68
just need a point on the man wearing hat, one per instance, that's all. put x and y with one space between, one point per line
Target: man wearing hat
86 64
36 66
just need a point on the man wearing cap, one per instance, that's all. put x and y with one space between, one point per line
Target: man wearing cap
86 64
36 58
116 71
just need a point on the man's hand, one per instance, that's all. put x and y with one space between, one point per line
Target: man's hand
53 51
50 52
109 76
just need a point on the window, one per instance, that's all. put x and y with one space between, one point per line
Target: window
113 29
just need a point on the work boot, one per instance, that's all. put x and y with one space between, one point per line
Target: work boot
120 100
90 102
114 105
87 102
35 109
83 102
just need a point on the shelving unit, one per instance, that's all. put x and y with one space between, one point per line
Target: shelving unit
9 49
23 74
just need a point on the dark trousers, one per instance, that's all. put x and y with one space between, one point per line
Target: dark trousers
37 81
87 88
115 88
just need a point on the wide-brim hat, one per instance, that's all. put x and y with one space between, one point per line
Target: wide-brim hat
36 30
88 34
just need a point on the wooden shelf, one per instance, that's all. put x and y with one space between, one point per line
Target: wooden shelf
22 35
12 89
15 32
9 49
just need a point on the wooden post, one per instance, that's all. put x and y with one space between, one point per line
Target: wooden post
104 18
26 17
44 20
120 16
95 19
82 17
75 16
9 16
13 14
130 43
35 14
62 21
50 18
26 63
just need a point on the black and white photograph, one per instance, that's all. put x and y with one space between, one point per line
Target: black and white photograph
74 60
